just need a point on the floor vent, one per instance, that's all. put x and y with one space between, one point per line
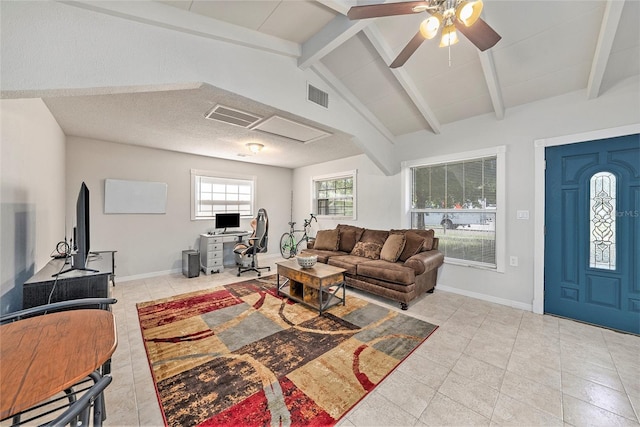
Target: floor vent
317 96
232 116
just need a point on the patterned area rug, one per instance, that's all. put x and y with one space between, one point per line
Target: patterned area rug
240 355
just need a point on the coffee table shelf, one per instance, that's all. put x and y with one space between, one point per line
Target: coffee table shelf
317 287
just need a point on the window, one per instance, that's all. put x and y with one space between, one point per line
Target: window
602 224
215 193
460 200
335 195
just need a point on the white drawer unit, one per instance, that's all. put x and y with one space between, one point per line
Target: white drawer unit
211 253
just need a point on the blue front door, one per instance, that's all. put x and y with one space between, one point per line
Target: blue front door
592 232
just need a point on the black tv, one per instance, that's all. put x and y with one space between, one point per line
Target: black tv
227 220
81 232
82 227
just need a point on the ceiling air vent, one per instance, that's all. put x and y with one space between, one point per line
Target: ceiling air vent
317 96
232 116
280 126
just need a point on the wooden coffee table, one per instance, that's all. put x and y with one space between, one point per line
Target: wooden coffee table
316 287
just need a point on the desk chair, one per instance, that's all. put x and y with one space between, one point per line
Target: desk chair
82 397
257 243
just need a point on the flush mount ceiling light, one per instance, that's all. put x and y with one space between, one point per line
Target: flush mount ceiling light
450 15
255 147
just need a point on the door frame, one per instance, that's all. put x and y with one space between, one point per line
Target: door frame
539 196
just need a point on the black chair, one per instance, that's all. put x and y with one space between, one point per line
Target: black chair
73 409
100 303
75 405
256 243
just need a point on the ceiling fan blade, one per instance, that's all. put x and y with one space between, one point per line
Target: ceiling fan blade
408 50
480 34
386 9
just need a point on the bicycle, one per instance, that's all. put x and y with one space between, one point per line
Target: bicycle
288 244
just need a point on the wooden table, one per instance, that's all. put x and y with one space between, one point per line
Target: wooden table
44 355
316 287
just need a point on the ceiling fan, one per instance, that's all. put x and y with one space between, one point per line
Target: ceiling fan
452 15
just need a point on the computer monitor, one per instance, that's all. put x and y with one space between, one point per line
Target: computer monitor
227 220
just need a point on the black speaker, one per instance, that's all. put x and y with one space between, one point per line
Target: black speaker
191 263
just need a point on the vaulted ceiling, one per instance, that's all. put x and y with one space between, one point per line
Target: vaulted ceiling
548 48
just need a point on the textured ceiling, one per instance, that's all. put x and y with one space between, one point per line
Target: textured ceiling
175 120
548 48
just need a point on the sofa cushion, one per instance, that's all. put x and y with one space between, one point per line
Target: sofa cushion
323 256
413 245
378 287
328 240
374 236
349 235
369 250
392 247
387 271
348 262
427 234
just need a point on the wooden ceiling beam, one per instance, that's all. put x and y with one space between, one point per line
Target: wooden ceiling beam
375 37
491 77
610 21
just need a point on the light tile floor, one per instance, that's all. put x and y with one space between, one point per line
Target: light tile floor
487 364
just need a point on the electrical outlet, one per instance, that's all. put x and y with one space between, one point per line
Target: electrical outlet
513 261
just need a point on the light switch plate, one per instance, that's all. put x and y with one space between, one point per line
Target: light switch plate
522 214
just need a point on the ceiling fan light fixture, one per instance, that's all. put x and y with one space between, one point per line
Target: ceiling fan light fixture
429 27
255 147
420 8
449 36
468 12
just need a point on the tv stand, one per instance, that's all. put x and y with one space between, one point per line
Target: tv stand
92 282
72 268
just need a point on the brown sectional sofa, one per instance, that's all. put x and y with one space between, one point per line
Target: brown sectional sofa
398 264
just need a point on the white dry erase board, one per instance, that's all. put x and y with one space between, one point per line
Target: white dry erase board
134 197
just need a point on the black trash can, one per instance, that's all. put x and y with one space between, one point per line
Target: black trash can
191 263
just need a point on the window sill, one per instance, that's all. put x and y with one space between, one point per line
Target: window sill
336 218
462 263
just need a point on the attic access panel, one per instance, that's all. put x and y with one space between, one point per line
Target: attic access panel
232 116
280 126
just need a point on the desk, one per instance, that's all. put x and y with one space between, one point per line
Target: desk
216 250
44 355
74 284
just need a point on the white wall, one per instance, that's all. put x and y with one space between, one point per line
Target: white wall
150 244
32 194
379 199
378 195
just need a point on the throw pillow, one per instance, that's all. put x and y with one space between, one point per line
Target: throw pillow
427 235
327 240
347 240
392 248
413 245
367 250
349 235
375 236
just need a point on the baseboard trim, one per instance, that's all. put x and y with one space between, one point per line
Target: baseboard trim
489 298
263 259
147 275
